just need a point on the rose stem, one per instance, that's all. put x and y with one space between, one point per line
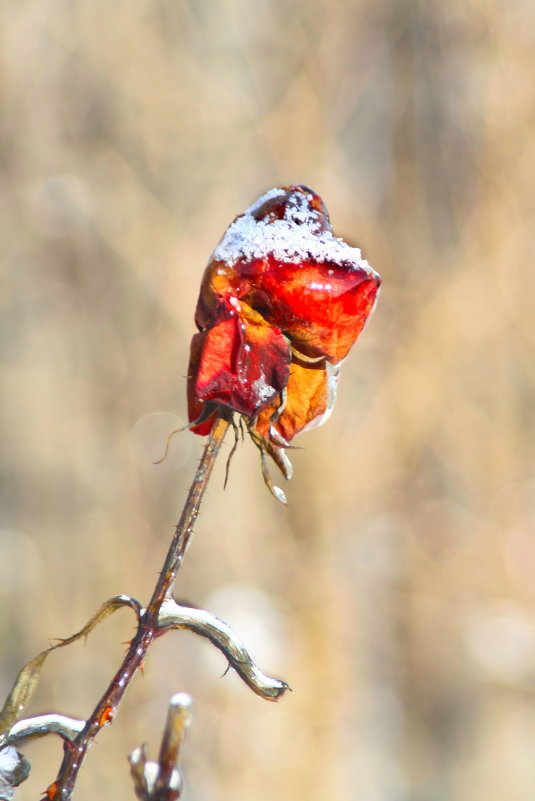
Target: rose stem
147 630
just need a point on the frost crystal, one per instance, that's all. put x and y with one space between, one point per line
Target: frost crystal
293 239
263 390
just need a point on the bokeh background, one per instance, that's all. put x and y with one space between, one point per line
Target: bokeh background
396 593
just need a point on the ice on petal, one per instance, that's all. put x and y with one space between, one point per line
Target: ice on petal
293 239
262 390
333 376
279 494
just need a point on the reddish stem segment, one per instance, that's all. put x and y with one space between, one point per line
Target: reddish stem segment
147 631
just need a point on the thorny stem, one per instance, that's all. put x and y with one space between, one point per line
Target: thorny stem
75 752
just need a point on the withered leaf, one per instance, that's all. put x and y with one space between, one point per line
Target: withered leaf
28 677
220 634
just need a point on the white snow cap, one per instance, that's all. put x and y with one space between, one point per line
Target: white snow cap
298 236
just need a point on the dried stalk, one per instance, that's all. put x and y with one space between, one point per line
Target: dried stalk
148 628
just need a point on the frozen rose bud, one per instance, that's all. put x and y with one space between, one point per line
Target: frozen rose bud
282 301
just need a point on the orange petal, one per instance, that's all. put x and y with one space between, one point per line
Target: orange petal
308 399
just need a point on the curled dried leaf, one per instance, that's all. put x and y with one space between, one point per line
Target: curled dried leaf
14 769
66 727
21 692
28 677
220 634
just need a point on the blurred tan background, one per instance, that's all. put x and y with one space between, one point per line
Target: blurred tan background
396 594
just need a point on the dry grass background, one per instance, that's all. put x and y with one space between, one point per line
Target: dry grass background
397 592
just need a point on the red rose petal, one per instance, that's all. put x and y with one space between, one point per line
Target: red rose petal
322 308
241 362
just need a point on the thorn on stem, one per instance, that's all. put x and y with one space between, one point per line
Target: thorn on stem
106 716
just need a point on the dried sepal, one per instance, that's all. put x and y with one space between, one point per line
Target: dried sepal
179 714
161 780
143 773
220 634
